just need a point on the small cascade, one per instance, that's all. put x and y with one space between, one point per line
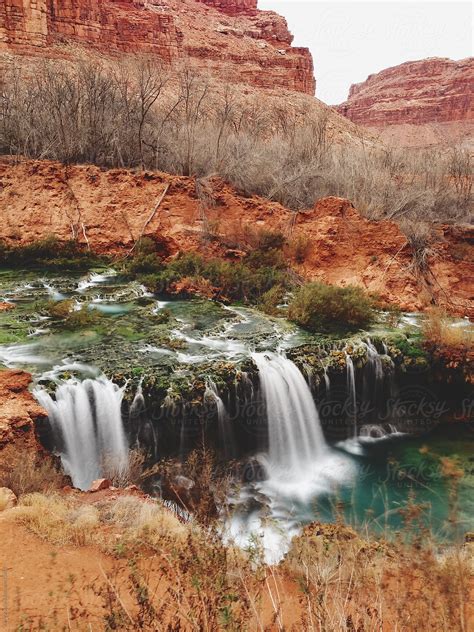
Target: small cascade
327 381
351 393
86 420
143 427
296 439
226 432
53 292
374 433
373 376
138 404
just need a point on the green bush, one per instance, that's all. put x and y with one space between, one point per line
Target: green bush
270 240
49 252
236 281
317 306
63 312
271 299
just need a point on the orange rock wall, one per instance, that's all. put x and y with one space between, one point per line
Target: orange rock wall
430 90
227 37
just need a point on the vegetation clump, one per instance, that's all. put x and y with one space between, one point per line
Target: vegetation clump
64 312
49 252
317 307
242 281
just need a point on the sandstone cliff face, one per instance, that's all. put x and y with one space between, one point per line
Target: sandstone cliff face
18 414
230 37
345 248
423 102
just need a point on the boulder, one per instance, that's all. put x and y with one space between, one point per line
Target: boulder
8 500
100 484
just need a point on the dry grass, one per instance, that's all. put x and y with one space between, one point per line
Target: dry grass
351 584
4 499
31 474
439 331
111 525
176 576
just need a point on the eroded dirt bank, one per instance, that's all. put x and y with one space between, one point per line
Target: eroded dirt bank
109 210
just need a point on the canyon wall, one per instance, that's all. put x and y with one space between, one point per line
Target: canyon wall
419 103
227 37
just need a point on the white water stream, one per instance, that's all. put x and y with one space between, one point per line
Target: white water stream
86 420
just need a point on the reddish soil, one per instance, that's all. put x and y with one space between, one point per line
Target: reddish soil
343 247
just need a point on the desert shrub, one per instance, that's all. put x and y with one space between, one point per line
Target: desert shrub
238 281
64 312
269 301
49 252
59 309
438 330
31 474
269 240
317 306
299 247
143 264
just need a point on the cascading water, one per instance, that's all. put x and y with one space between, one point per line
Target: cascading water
86 420
296 439
373 376
351 393
298 467
142 426
226 433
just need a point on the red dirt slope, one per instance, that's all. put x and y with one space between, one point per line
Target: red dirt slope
344 247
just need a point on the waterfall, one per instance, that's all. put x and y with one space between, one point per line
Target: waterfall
142 425
226 432
296 439
86 420
373 375
351 392
327 381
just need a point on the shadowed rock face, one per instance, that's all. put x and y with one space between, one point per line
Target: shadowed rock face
422 102
227 37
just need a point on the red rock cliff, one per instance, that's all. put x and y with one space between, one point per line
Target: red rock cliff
435 95
231 37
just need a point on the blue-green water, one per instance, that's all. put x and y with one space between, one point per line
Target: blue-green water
367 482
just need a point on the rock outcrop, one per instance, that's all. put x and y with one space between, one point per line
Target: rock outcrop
426 102
343 247
228 37
18 414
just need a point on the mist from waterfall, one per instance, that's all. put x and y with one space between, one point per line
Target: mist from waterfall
86 420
